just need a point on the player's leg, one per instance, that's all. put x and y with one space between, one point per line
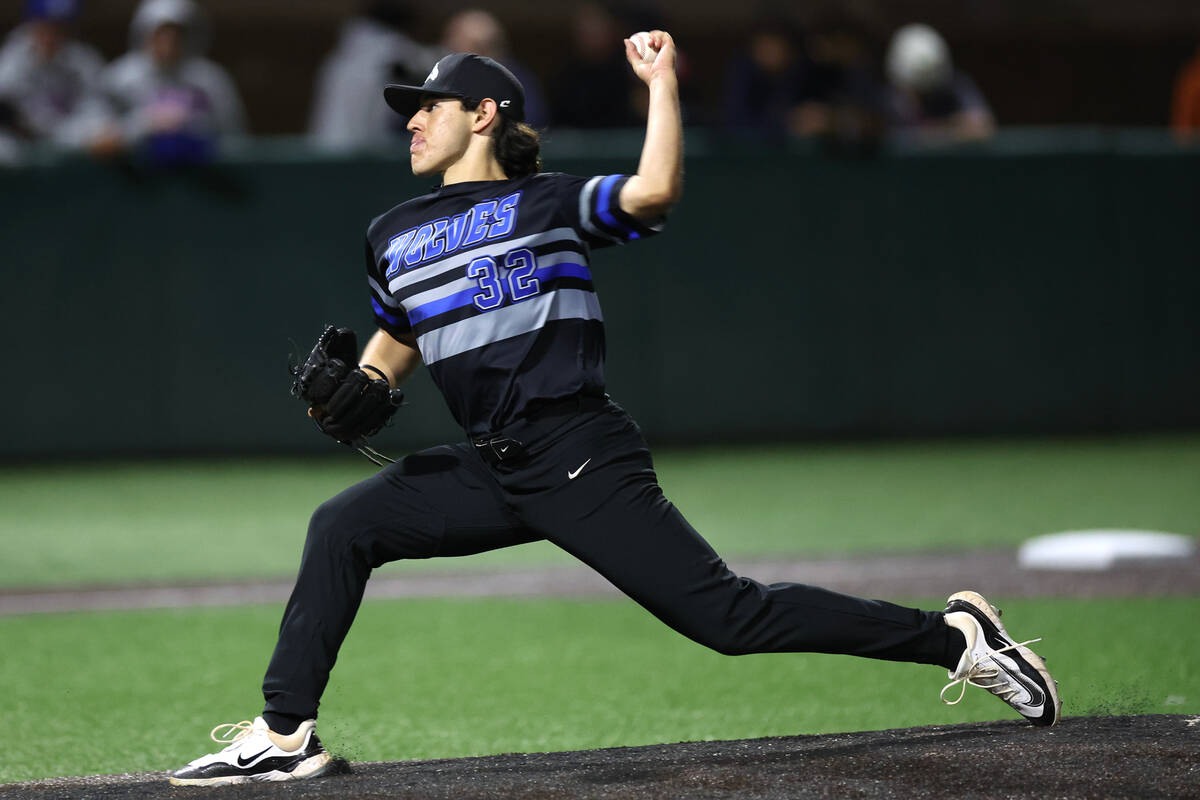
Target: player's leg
614 517
438 502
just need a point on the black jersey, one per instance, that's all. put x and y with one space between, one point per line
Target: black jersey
494 279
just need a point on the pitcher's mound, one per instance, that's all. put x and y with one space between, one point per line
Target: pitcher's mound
1082 757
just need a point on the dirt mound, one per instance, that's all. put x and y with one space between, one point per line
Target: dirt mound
1082 757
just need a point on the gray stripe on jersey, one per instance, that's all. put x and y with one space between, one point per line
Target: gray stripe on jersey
494 249
462 284
504 323
585 210
383 296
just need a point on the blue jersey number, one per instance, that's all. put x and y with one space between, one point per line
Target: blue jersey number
521 283
519 266
483 270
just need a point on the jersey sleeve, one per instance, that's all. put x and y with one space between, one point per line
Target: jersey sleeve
592 206
389 316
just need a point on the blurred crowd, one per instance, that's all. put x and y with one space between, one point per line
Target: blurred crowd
162 99
166 102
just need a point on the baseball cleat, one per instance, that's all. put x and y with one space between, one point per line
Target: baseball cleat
254 752
994 661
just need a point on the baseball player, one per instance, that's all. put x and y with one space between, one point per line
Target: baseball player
487 281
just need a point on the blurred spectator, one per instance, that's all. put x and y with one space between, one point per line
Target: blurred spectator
175 106
595 88
843 101
477 31
373 50
780 87
48 88
1185 101
930 99
766 84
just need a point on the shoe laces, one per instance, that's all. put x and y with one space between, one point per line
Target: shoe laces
232 732
979 672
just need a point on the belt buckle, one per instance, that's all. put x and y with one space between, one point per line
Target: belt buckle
500 447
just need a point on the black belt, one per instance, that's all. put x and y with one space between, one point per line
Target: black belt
510 442
498 448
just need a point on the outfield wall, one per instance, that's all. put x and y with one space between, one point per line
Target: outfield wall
1015 288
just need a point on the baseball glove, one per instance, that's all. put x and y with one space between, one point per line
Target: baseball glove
346 402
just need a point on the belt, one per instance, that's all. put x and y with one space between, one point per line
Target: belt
498 448
512 440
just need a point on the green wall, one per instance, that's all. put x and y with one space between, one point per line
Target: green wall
997 290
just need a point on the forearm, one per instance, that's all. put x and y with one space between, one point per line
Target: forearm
396 359
660 169
658 184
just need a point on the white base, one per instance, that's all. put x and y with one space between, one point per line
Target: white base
1101 549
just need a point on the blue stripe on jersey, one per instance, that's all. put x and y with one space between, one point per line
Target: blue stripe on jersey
506 322
465 297
452 283
563 269
381 294
464 257
604 210
448 303
585 210
382 314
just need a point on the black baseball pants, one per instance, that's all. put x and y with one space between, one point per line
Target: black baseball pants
582 478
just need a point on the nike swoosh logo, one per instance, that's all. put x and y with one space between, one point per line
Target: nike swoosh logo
1036 698
245 762
573 475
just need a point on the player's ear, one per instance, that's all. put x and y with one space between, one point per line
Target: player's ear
485 114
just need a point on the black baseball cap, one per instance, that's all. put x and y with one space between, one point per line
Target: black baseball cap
462 75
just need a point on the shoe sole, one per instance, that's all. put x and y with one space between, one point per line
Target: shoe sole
312 767
977 601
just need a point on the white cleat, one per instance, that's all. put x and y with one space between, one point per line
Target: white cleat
254 752
996 662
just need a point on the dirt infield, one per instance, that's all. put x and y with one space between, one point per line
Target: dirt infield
1083 757
884 576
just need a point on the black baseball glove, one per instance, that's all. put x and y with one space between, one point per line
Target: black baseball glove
346 402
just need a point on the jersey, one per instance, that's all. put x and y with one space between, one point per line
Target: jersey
494 280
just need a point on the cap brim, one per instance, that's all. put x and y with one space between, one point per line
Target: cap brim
405 100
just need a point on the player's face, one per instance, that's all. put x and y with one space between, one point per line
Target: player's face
441 132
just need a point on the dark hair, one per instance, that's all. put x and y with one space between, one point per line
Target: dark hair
517 146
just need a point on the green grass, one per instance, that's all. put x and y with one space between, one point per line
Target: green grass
95 693
195 519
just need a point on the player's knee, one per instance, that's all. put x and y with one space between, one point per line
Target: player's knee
327 527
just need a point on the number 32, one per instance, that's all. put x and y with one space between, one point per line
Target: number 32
517 278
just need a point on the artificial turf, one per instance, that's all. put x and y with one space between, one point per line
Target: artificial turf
91 692
115 692
195 519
